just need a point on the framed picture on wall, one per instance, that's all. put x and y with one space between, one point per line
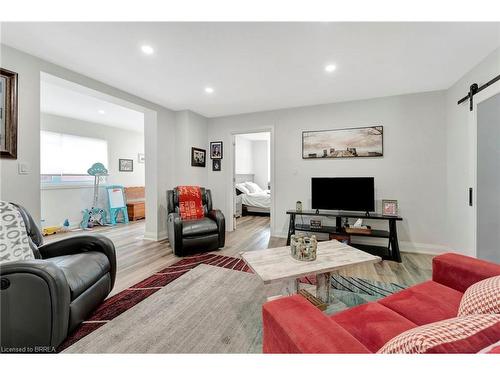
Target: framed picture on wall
125 165
198 157
8 114
389 207
216 150
216 165
343 143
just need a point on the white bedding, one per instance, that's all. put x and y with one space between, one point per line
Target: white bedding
261 200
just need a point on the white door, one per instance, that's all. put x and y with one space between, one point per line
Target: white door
485 119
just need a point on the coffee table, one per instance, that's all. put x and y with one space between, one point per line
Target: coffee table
276 265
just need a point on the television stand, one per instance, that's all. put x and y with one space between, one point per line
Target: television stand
391 252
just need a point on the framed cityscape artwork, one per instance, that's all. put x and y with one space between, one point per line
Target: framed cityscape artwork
8 114
343 143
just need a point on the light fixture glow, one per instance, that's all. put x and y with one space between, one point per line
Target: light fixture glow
101 111
209 90
148 50
330 68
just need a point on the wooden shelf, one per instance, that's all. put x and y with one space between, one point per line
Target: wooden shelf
333 230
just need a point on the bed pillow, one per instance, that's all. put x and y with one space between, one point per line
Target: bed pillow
482 297
464 334
242 187
253 187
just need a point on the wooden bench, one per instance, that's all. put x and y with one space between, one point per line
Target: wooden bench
136 205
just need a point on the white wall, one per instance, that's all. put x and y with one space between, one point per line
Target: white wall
191 131
260 156
413 169
243 155
159 133
459 155
58 204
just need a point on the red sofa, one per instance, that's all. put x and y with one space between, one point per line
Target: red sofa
293 325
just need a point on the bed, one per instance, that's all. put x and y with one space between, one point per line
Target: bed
254 200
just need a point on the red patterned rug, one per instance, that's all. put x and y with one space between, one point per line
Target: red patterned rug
130 297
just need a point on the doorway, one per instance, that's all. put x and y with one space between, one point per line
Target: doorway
252 180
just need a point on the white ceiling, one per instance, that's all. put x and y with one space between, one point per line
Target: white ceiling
63 98
260 66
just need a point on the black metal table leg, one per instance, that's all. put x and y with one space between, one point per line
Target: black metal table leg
394 244
291 229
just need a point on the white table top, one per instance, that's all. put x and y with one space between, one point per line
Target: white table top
276 264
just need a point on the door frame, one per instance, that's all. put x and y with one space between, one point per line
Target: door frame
269 129
478 98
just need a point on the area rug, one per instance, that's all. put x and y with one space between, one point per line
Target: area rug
347 291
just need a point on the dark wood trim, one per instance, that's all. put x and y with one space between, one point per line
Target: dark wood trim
11 122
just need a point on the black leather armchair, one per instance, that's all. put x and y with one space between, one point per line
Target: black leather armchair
45 299
189 236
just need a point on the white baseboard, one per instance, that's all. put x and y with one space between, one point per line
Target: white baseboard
152 236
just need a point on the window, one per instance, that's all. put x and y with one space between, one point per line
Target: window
65 158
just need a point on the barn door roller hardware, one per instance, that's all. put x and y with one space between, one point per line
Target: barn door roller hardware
474 89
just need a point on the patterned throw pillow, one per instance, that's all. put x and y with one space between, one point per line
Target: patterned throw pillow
482 297
14 241
465 334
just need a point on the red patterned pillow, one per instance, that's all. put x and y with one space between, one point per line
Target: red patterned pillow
482 297
464 334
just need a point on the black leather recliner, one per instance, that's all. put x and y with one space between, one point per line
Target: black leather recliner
43 300
191 236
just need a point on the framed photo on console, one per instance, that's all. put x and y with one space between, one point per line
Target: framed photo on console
389 207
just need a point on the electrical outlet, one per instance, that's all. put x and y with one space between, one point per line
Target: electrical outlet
23 168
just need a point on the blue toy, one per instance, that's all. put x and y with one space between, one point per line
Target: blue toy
95 215
117 204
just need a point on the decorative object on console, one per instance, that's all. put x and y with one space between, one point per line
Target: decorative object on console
140 158
341 237
343 143
389 207
8 114
216 150
315 223
303 248
216 165
125 165
198 157
298 206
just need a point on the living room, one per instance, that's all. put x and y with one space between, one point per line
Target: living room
379 144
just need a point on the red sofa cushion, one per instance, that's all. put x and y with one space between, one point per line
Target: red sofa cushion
372 324
425 303
464 334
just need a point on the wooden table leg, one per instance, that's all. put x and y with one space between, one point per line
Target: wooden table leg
292 287
323 286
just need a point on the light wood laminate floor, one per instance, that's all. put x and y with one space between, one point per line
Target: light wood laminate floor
138 258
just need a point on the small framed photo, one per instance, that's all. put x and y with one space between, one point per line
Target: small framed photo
216 165
140 158
125 165
389 207
216 150
198 157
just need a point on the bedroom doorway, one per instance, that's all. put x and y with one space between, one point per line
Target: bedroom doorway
252 180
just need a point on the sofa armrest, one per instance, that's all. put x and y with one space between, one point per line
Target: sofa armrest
174 230
218 217
293 325
81 244
35 299
459 271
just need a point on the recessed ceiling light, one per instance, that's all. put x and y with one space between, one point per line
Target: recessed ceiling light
101 111
209 90
330 68
148 50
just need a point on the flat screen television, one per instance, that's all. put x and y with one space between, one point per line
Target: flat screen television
343 193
